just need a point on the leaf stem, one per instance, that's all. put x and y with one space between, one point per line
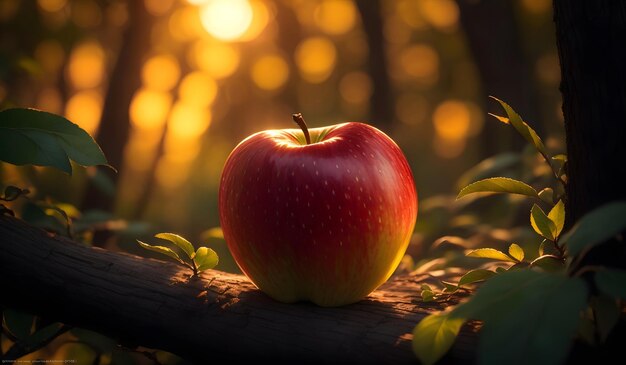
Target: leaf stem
299 120
556 174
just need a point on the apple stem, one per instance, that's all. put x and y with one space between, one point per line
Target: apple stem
302 124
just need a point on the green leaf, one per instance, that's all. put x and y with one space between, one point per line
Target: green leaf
34 137
179 241
612 282
427 295
18 323
490 253
607 313
541 223
163 250
557 216
549 263
522 128
547 195
205 259
516 252
473 276
530 317
596 227
434 335
498 185
426 287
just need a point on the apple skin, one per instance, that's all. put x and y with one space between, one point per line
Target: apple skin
326 222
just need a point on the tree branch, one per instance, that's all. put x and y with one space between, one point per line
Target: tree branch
155 304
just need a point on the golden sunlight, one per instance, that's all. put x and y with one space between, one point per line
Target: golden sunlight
84 108
226 20
86 67
198 88
149 108
316 57
188 121
270 72
185 25
452 120
219 60
421 62
335 16
160 73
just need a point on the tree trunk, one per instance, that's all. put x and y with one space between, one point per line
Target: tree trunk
216 316
114 129
381 101
492 34
591 39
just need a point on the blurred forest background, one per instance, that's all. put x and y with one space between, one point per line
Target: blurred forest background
169 87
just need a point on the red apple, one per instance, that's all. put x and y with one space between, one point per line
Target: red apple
326 221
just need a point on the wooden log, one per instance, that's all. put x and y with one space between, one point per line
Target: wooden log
218 315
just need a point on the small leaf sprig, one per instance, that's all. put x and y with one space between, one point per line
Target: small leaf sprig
198 260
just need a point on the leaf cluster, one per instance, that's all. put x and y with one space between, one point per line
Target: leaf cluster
198 260
533 309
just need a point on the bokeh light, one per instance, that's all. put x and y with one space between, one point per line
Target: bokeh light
149 108
51 5
356 87
421 62
85 108
441 14
537 6
188 121
219 60
226 20
335 16
316 57
184 24
260 18
452 120
198 88
158 7
270 72
410 13
87 65
161 72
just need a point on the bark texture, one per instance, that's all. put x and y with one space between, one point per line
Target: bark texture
217 316
591 38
